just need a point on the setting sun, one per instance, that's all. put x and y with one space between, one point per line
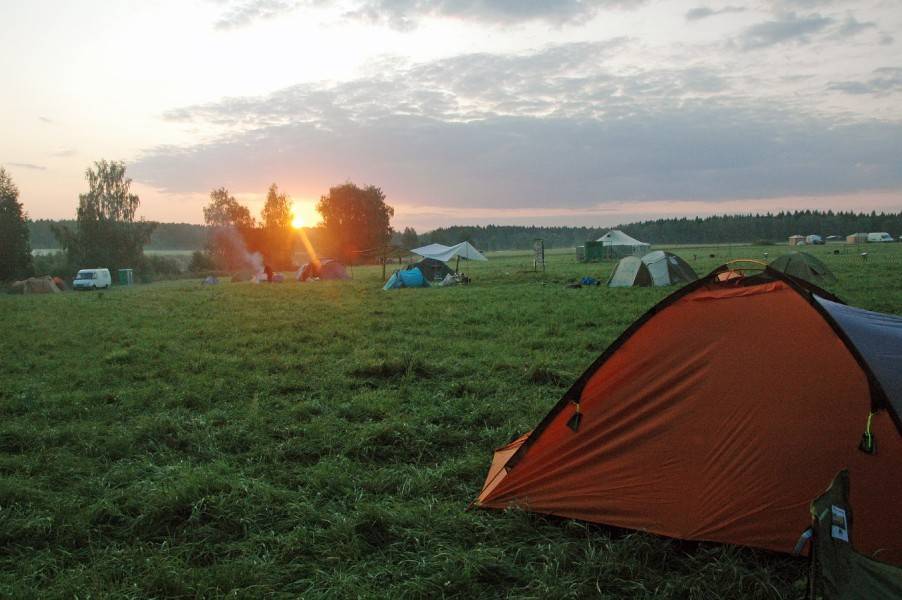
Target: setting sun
297 221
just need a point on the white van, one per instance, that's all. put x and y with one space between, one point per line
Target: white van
92 279
880 236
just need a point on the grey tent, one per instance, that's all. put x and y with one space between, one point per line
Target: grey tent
804 266
667 269
432 269
629 272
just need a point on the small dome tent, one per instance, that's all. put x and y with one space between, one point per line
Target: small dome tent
409 278
667 268
804 266
669 432
326 269
432 269
656 268
630 272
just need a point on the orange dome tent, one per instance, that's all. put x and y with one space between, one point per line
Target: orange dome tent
719 414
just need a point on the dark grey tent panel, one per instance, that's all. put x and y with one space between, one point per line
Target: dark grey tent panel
804 266
840 572
878 338
630 271
667 268
432 269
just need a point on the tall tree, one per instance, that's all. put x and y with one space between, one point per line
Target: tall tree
276 213
230 224
277 234
224 211
106 232
355 219
15 249
409 239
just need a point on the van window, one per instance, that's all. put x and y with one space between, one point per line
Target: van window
86 275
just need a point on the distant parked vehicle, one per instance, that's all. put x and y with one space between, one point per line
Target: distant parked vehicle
92 279
880 236
814 240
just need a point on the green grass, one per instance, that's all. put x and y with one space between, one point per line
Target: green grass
323 440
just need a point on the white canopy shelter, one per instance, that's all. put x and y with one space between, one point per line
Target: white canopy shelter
445 253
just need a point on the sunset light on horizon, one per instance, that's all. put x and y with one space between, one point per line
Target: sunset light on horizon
559 113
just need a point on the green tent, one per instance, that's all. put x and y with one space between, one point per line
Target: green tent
839 571
629 272
802 265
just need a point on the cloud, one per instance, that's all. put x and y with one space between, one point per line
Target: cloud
31 166
789 28
852 26
403 14
703 12
569 80
245 12
557 127
64 152
45 120
885 81
700 151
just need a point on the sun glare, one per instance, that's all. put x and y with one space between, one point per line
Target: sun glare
297 221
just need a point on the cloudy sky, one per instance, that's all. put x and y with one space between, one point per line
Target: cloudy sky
463 111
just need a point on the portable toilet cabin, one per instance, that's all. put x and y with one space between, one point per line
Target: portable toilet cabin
126 277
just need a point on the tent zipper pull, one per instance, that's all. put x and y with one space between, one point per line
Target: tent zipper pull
576 419
868 445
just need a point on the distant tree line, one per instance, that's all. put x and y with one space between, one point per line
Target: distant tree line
165 236
699 230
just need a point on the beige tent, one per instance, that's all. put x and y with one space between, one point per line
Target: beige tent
37 285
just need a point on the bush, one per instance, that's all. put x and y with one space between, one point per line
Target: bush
157 267
54 264
763 243
201 262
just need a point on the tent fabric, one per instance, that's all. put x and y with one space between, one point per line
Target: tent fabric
617 243
630 272
446 253
804 266
878 338
409 278
432 269
717 416
37 285
327 269
667 268
840 572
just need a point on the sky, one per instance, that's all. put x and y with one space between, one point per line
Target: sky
555 112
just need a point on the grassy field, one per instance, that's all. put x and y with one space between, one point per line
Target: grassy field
323 440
